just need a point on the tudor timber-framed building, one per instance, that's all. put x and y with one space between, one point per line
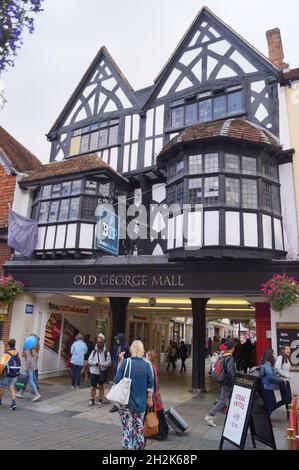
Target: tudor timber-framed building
206 132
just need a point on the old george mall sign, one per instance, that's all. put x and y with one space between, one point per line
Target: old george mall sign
129 280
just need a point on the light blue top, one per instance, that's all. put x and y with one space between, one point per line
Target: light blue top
78 351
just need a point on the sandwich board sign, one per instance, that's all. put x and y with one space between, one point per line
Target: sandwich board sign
107 230
247 411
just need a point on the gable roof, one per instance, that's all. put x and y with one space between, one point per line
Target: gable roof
205 13
102 54
71 166
20 158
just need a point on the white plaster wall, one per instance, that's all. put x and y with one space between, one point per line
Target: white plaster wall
284 129
195 230
290 314
288 209
211 228
232 228
250 229
22 324
22 200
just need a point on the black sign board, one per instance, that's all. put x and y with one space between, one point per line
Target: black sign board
288 335
247 410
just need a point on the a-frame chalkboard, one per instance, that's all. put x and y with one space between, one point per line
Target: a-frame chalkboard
247 411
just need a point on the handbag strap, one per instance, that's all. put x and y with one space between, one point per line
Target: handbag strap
130 364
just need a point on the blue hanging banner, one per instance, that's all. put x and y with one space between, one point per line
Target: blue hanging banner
107 230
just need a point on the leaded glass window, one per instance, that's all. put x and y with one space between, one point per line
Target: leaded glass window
211 163
232 163
249 193
195 164
211 191
232 191
195 191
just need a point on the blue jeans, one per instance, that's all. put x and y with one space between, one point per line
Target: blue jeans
225 393
32 381
270 401
76 375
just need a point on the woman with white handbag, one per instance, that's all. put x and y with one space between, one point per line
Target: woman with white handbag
133 391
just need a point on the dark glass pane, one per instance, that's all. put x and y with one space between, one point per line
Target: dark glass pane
195 191
266 196
249 193
89 208
66 188
234 104
74 208
53 211
249 166
232 163
211 191
113 135
47 192
211 163
94 141
177 117
191 113
56 190
205 110
171 192
90 187
274 172
180 193
77 132
219 106
266 168
195 164
64 209
104 189
44 211
232 191
275 199
103 140
76 187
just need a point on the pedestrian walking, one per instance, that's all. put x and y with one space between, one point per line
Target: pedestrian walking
183 355
151 356
283 367
122 349
173 356
209 345
223 345
226 381
141 396
78 351
10 367
31 359
99 362
245 355
271 381
90 348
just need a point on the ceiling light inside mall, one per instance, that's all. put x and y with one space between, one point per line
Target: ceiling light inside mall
187 301
90 298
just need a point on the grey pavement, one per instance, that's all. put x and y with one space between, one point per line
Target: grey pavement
62 419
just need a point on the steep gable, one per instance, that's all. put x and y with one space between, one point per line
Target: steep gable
209 51
103 89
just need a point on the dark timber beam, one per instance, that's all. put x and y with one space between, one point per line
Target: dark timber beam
198 349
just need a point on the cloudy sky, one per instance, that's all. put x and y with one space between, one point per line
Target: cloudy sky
139 34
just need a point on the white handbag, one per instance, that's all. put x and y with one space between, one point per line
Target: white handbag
120 393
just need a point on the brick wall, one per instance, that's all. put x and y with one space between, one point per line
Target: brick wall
7 186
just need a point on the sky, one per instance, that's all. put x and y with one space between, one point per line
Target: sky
139 34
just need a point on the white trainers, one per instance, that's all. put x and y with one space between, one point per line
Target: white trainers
19 395
209 420
36 397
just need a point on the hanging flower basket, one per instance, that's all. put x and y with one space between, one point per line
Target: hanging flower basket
9 288
281 291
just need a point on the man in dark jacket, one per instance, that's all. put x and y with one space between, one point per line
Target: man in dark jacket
226 386
120 347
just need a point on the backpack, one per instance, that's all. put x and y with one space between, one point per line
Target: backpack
13 366
218 372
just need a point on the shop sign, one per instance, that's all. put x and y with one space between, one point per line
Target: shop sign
288 335
107 230
29 309
237 414
68 308
129 280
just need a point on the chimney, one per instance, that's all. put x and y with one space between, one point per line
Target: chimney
276 54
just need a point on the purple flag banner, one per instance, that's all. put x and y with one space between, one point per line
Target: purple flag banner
22 233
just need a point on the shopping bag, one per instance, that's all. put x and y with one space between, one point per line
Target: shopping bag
151 424
120 393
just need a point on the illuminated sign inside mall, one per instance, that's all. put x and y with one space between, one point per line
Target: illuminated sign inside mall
129 280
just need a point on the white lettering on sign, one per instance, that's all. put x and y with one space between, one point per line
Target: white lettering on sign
295 353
